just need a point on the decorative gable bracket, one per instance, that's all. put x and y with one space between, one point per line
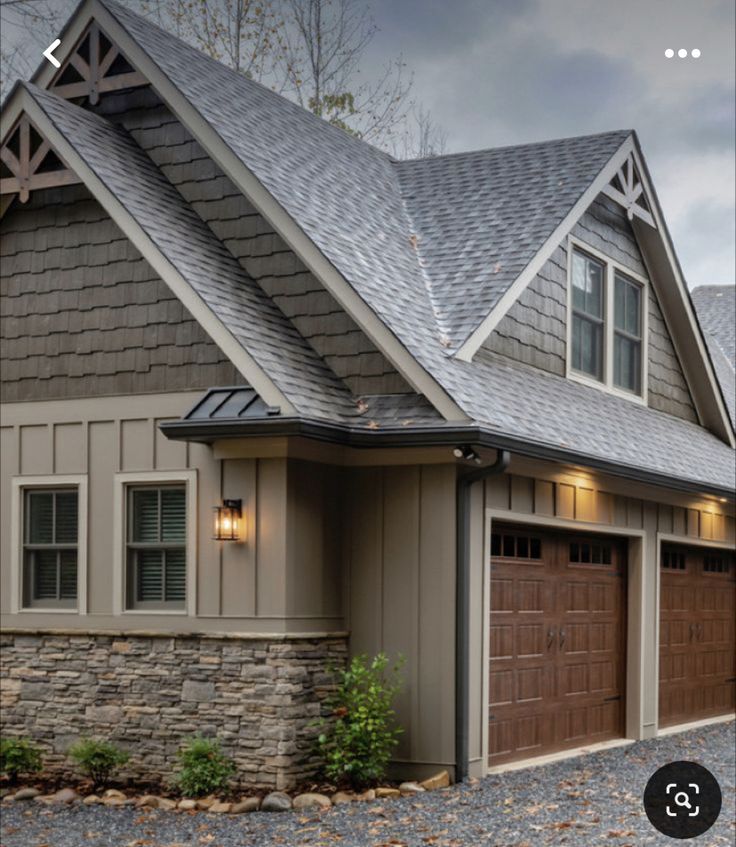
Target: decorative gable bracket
95 66
29 163
627 190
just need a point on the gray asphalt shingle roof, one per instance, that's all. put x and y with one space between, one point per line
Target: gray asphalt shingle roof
362 209
716 309
481 217
203 261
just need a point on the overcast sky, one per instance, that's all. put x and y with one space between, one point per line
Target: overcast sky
496 72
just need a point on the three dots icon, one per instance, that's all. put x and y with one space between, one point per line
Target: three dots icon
682 53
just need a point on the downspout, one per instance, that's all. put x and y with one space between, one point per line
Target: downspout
462 607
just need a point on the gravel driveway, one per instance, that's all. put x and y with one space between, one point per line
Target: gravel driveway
591 800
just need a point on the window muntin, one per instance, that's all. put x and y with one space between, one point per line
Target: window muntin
607 323
587 315
590 553
50 547
719 563
156 547
512 546
673 560
627 334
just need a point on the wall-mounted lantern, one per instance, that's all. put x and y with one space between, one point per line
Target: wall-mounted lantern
227 520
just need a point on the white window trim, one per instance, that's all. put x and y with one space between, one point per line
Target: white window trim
19 486
611 267
121 483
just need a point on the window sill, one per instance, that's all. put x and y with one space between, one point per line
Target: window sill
47 610
606 389
182 613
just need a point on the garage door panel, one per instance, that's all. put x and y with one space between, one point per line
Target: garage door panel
697 644
557 642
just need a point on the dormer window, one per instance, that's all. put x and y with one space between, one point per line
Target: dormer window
606 323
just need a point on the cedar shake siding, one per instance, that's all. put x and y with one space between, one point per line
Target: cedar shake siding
84 314
262 253
533 331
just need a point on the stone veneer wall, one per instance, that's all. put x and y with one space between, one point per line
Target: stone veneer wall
148 693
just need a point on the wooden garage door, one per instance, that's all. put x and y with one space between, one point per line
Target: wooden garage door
697 641
557 642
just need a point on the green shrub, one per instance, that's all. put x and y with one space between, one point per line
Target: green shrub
97 759
18 756
204 767
357 743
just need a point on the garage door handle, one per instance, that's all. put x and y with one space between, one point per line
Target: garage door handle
550 638
562 638
693 627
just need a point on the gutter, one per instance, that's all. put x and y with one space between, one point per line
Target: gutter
462 608
422 435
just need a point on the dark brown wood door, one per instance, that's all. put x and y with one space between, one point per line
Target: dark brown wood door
697 640
557 644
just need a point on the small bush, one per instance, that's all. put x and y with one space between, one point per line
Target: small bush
357 744
97 759
18 756
204 767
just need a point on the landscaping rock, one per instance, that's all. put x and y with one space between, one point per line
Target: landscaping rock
187 805
367 796
311 801
165 804
220 808
147 801
250 804
383 793
439 780
113 793
65 795
92 800
26 794
113 802
410 788
276 801
205 802
342 797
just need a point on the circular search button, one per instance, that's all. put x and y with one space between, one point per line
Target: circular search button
682 799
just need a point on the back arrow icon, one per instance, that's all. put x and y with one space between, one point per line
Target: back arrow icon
49 50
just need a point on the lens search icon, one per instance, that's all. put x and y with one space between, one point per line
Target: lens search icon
682 799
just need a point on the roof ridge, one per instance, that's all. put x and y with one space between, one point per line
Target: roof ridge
524 146
116 8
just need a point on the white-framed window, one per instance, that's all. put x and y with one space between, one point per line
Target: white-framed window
607 323
155 543
49 540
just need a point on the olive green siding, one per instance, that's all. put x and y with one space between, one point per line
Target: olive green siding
284 577
84 314
534 330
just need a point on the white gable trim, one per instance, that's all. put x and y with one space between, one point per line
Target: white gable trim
384 339
686 334
22 101
470 346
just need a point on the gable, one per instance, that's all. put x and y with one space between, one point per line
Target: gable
252 240
84 314
534 330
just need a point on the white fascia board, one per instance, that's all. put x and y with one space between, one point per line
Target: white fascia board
384 339
696 342
217 331
470 346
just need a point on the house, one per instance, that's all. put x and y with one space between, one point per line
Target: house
271 398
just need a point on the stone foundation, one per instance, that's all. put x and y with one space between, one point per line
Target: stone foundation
258 695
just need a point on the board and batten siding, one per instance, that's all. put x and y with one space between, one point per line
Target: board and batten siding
84 314
533 331
284 577
250 238
400 552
